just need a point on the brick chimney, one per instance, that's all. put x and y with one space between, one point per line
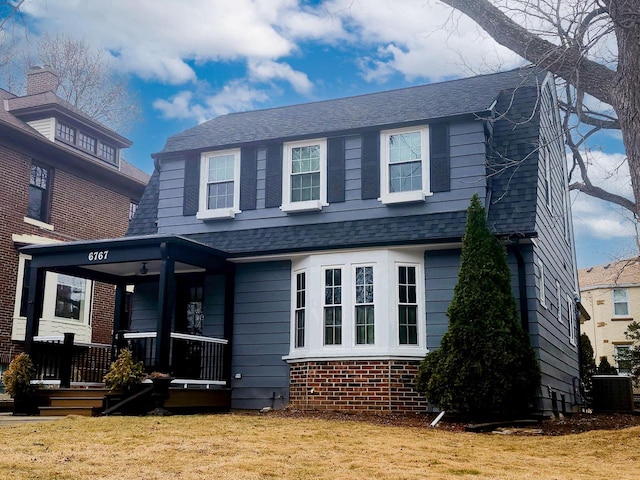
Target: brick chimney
41 80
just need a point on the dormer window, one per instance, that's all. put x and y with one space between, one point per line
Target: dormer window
107 152
66 133
87 143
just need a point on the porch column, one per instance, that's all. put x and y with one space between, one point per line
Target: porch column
118 316
229 300
34 304
166 307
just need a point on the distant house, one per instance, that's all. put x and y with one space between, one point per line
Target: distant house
317 245
611 295
63 179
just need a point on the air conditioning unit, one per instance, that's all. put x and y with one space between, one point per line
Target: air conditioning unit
612 393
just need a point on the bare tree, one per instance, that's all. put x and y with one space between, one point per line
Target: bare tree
594 46
87 79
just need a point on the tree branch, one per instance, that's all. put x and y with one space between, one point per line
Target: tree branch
567 62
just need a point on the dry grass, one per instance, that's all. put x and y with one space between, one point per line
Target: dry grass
243 446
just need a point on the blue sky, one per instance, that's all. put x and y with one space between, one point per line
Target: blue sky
191 60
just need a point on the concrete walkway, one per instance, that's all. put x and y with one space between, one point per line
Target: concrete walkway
7 418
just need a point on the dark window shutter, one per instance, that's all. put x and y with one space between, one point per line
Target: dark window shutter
370 165
191 185
248 178
440 168
273 194
335 170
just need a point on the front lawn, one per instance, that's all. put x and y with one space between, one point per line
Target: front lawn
250 446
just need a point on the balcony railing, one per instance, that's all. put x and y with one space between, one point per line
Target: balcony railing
193 358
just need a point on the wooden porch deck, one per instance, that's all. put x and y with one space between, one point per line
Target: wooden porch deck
92 401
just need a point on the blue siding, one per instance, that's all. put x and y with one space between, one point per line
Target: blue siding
467 177
261 335
144 307
441 269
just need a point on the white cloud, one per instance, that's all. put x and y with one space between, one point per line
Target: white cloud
158 38
267 70
235 96
420 40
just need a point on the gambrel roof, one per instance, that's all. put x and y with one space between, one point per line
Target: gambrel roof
507 101
468 96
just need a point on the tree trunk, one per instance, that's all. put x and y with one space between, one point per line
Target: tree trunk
626 87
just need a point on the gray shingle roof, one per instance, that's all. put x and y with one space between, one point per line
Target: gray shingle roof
406 230
426 102
512 208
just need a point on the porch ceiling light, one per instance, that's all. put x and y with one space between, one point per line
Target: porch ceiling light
143 269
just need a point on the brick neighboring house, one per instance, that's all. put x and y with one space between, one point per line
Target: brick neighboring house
611 295
63 179
313 249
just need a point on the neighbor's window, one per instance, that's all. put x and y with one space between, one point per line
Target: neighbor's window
333 306
70 297
87 143
66 133
107 152
219 186
39 189
133 208
304 180
620 302
623 358
404 164
407 305
300 308
364 306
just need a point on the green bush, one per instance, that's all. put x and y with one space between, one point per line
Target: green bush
17 378
485 366
605 368
587 362
125 373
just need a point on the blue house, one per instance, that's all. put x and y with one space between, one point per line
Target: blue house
306 255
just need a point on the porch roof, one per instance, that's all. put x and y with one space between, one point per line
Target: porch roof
128 259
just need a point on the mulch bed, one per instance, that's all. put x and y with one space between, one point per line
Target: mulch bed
570 424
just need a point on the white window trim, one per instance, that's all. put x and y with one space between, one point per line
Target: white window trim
571 313
613 303
543 292
49 323
205 213
403 197
310 205
559 300
385 273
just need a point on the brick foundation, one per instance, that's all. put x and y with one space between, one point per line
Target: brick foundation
374 386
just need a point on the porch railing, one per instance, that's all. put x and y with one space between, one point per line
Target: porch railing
193 358
57 359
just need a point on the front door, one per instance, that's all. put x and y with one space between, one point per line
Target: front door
187 354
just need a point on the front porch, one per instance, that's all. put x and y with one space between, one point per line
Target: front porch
175 337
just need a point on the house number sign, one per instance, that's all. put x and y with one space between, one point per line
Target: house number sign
98 256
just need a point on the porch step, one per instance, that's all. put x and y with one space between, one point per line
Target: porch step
70 410
72 401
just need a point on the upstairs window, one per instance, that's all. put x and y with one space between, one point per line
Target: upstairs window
66 133
620 302
404 166
39 193
219 186
304 177
87 142
133 208
107 152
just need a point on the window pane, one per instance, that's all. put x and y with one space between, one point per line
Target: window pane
220 195
621 309
70 297
404 147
